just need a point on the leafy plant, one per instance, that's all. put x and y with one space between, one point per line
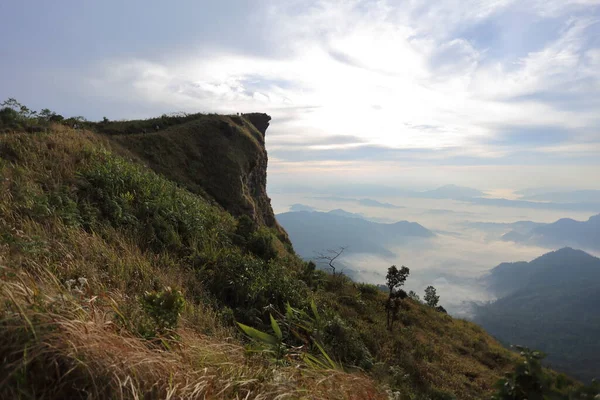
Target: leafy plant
269 344
164 307
529 381
303 327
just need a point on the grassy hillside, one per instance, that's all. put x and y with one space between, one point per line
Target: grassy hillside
123 281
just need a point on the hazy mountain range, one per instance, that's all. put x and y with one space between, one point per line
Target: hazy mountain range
551 304
318 231
564 232
576 196
579 200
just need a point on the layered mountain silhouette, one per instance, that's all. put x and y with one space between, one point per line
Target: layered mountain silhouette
552 304
564 232
317 231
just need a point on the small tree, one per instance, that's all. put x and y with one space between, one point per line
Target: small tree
431 299
330 258
414 296
395 278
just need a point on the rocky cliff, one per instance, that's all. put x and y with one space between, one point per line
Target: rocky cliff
220 157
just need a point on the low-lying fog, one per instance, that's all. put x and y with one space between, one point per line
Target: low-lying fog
454 260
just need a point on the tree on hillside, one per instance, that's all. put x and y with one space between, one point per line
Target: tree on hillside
23 111
395 278
414 296
431 298
330 256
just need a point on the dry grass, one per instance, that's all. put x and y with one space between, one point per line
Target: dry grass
59 344
83 342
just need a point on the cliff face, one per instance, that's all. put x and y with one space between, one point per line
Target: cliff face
220 157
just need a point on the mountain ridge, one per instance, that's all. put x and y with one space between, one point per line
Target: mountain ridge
113 251
314 231
549 303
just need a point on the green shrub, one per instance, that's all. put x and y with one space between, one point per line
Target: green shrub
529 381
369 290
164 308
164 216
262 244
9 118
345 344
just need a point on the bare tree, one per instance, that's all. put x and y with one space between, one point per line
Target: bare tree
330 256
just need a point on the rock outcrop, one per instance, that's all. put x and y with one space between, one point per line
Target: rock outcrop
259 120
220 157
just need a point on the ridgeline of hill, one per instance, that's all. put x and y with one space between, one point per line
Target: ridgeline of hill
550 303
564 232
128 250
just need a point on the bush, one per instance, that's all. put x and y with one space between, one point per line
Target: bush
345 344
164 216
9 118
529 381
262 244
164 308
367 289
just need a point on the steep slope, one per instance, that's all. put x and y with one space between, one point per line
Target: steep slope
222 156
550 304
116 283
123 281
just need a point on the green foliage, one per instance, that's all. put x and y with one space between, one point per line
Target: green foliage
298 325
244 230
367 289
414 296
270 345
166 217
14 116
262 243
164 307
431 298
529 381
395 278
345 343
9 118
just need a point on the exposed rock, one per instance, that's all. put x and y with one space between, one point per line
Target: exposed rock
259 120
224 158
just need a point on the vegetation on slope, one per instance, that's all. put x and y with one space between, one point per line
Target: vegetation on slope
117 282
87 238
547 303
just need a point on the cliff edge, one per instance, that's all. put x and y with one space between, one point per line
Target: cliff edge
222 157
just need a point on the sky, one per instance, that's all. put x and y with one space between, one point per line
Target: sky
494 94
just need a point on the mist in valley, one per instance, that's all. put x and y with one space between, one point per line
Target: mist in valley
467 244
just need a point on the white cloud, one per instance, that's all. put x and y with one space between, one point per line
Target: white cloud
392 74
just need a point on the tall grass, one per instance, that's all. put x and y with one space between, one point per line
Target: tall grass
84 236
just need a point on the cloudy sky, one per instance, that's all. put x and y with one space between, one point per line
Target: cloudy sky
495 94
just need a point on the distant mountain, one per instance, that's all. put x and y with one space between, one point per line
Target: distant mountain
564 232
564 266
301 207
343 213
346 193
551 304
317 231
576 196
451 192
363 202
375 203
499 202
